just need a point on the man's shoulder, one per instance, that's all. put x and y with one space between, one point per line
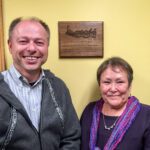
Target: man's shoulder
53 78
48 73
2 74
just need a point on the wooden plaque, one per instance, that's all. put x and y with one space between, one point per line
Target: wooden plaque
80 39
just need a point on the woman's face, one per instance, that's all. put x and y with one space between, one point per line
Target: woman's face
114 87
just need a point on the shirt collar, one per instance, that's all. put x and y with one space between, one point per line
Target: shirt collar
21 79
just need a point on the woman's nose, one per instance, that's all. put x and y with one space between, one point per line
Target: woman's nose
113 87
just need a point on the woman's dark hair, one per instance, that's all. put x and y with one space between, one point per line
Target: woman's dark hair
115 62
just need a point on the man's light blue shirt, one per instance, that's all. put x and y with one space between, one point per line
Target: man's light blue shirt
29 96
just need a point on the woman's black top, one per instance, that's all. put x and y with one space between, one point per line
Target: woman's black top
137 136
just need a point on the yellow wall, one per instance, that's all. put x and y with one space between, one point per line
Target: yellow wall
126 34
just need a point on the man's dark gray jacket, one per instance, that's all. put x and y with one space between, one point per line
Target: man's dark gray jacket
59 126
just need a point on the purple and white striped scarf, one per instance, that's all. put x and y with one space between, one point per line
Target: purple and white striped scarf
122 125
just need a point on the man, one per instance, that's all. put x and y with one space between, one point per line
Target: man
36 111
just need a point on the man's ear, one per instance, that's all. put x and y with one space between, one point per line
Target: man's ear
9 45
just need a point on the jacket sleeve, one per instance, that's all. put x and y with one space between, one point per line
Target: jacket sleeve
146 136
85 121
147 140
70 139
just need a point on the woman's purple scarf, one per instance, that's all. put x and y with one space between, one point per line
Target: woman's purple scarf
122 125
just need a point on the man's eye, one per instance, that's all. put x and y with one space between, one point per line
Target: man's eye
40 43
22 42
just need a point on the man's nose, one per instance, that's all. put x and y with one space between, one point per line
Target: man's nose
31 46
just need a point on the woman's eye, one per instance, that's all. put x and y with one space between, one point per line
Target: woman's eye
106 82
119 82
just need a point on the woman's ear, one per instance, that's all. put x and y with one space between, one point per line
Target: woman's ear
130 87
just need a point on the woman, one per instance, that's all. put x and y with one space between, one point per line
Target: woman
117 121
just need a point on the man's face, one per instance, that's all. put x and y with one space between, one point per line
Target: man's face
29 46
